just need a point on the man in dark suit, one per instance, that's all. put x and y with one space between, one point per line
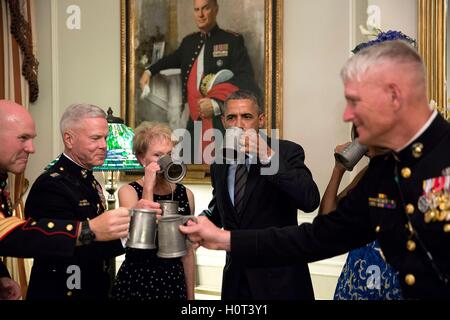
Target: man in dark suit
201 55
68 190
267 200
403 200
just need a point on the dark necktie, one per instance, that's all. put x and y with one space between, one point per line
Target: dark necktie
239 186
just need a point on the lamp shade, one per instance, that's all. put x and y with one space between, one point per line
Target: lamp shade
119 156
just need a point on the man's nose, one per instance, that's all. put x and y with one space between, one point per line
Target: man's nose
239 123
29 147
349 114
102 144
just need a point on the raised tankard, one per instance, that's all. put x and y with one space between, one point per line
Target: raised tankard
351 154
174 171
231 144
171 242
142 233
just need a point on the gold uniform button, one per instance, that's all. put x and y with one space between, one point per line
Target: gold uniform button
410 280
69 293
417 150
411 245
61 169
69 227
50 225
447 228
409 209
378 229
406 173
34 223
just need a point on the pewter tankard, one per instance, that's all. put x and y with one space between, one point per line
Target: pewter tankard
231 144
171 242
351 155
169 207
173 171
142 234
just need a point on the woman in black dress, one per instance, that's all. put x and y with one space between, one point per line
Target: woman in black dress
143 275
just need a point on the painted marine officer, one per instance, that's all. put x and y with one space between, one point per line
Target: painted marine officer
201 55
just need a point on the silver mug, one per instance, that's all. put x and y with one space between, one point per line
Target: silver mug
169 207
231 143
351 154
171 242
142 233
173 171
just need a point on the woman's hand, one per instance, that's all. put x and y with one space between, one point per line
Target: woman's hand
151 170
338 149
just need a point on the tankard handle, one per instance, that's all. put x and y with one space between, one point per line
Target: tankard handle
187 218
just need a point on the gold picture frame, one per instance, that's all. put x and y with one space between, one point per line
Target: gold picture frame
432 40
271 61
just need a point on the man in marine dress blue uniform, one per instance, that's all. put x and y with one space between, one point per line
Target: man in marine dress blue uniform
403 200
68 190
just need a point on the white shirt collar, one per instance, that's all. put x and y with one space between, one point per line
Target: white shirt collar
73 161
422 130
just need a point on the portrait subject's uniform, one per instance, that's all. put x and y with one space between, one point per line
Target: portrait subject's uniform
403 200
201 54
68 191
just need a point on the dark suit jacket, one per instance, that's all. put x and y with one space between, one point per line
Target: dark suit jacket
268 201
67 191
387 205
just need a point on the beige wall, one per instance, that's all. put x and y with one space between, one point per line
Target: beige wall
84 66
75 66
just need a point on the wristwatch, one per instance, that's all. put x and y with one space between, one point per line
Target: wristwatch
86 235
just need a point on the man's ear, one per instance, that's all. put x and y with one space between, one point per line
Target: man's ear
68 138
262 120
395 95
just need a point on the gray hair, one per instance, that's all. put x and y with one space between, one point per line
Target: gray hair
244 95
75 112
397 51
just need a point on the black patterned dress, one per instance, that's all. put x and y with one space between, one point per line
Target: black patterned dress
145 276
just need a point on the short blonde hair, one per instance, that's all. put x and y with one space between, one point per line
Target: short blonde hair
148 131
